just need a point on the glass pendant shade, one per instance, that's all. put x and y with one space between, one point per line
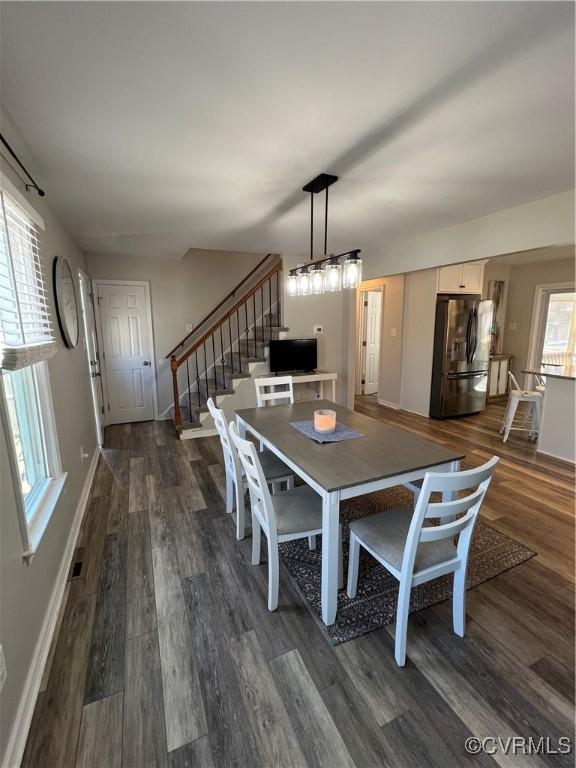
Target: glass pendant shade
352 272
304 284
292 285
332 277
317 280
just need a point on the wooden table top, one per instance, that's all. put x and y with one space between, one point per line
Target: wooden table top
382 452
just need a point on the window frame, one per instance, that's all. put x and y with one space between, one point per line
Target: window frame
33 524
34 519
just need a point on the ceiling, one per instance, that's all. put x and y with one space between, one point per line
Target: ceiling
158 126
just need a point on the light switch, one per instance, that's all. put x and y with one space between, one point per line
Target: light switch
393 332
512 325
189 327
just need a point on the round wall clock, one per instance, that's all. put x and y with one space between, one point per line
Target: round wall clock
66 304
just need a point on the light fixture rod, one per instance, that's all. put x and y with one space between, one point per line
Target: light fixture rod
311 225
326 224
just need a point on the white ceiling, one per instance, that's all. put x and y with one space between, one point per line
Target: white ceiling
162 126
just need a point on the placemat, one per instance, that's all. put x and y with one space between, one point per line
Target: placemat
342 432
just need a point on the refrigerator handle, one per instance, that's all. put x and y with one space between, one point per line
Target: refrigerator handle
468 340
474 334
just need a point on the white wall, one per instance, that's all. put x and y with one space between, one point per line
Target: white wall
26 590
541 223
182 291
418 342
523 281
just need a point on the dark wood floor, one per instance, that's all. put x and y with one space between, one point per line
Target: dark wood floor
166 654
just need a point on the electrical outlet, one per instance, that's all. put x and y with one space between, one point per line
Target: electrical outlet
318 330
3 670
512 326
189 327
83 455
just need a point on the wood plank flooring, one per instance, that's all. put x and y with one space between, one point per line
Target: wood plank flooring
166 654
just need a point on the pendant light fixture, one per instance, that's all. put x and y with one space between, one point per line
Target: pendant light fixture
324 275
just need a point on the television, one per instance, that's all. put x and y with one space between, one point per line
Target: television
293 355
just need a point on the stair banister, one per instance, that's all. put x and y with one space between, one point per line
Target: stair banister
176 362
217 307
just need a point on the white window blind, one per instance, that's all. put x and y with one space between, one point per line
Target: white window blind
26 333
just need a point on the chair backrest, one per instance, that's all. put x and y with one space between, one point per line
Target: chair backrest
268 392
474 480
260 498
231 460
514 381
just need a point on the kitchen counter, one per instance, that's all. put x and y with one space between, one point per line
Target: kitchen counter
557 433
567 371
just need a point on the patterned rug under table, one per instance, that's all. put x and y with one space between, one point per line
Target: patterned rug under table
374 606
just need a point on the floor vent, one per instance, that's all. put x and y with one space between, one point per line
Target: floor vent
77 563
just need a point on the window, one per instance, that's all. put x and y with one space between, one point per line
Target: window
559 347
26 341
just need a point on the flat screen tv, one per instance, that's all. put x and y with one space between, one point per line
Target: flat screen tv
293 355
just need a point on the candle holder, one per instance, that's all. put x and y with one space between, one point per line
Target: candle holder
324 421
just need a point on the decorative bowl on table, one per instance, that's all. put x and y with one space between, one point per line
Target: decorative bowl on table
324 421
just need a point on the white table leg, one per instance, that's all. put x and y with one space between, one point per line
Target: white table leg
330 528
333 390
321 390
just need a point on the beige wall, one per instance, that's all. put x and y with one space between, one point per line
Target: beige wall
541 223
25 590
390 382
418 343
182 291
523 282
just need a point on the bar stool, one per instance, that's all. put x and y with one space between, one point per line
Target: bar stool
531 423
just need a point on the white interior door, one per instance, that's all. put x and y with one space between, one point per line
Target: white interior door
92 353
127 352
372 347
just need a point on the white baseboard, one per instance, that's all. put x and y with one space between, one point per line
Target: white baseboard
23 720
388 404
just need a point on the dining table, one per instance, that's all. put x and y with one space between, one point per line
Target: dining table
382 457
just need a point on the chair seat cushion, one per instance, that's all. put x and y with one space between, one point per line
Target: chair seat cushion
386 534
298 510
273 467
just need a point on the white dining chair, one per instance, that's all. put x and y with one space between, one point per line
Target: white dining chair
294 514
415 553
272 390
275 471
530 423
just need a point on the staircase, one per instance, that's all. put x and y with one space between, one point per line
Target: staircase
228 348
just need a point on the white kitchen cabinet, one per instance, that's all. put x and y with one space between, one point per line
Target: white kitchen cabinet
461 278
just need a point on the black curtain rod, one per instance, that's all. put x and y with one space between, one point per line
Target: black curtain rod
33 185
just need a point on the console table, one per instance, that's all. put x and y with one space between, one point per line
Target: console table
317 376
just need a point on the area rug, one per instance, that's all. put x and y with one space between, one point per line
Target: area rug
374 606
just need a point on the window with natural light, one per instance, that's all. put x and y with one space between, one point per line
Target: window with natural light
560 334
26 341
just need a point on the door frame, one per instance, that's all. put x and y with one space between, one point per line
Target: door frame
376 284
141 284
538 317
85 284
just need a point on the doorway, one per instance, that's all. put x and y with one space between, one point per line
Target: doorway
124 327
370 325
88 319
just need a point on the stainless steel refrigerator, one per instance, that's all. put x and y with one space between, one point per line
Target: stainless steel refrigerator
461 356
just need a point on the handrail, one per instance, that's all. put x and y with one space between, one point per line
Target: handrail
217 307
179 360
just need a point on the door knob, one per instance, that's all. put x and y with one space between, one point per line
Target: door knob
146 362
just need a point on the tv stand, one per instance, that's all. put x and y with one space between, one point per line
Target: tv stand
316 376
